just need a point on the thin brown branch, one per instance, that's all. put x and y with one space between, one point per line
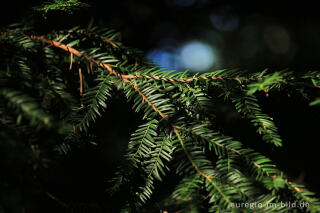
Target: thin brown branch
61 203
90 23
71 59
208 177
72 50
112 72
145 99
75 52
80 79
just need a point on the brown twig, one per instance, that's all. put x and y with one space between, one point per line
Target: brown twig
71 59
112 72
80 79
90 23
145 99
57 200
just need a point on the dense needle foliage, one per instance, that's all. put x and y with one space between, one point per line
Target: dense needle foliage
55 87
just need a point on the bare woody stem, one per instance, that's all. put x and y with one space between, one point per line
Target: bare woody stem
113 72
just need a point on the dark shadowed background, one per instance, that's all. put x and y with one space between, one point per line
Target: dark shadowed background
221 34
199 35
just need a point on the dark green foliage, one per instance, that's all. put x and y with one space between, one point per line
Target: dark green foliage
67 6
247 104
53 90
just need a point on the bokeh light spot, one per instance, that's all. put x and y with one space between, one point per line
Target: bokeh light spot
167 60
214 38
277 39
251 41
224 22
197 56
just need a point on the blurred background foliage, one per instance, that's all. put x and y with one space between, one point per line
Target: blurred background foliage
199 35
222 34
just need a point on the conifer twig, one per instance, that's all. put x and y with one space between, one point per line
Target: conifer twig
61 203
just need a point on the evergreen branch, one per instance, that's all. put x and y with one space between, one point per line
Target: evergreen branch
143 138
122 76
209 179
155 166
163 150
315 102
304 195
68 6
187 187
77 53
223 144
109 41
235 178
145 99
27 106
94 100
265 84
248 106
210 76
257 161
196 103
205 159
